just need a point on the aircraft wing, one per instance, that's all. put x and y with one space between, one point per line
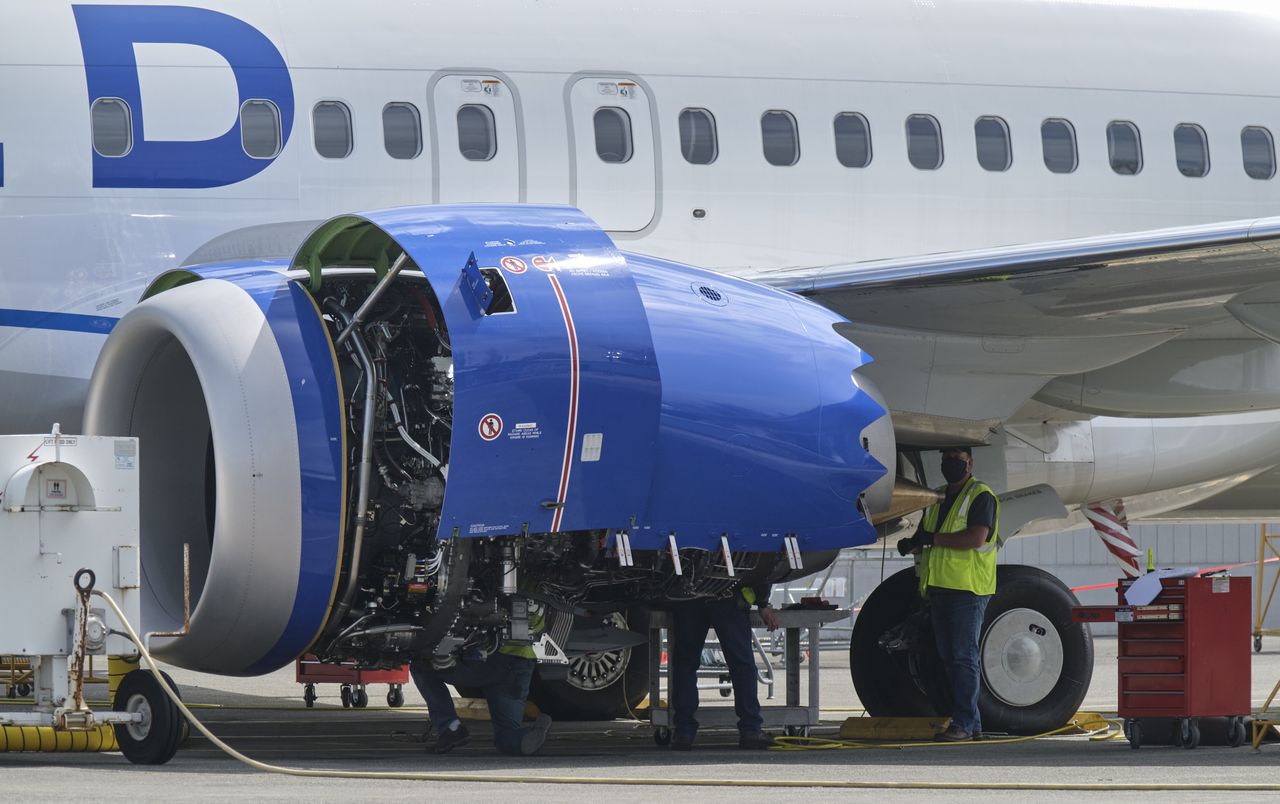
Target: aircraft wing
1169 322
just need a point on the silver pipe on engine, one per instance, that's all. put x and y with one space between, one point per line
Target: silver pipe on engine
408 439
355 321
366 452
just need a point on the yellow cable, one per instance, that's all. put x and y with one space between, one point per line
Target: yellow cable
660 781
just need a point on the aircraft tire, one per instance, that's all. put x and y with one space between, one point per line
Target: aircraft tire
1032 653
565 700
884 681
1027 689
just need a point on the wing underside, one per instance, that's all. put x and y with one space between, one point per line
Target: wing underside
1172 322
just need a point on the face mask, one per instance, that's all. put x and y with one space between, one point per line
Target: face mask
953 469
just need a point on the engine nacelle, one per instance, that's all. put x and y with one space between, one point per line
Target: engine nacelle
519 396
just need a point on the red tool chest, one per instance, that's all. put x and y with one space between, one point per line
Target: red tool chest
1183 656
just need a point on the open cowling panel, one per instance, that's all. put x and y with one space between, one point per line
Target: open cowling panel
435 418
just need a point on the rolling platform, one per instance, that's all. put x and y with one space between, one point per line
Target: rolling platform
792 717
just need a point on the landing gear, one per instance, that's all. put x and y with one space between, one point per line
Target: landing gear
1036 663
892 656
600 686
155 739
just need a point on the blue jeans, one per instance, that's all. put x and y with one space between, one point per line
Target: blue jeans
689 625
505 680
957 628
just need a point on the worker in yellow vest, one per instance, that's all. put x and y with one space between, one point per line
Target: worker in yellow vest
956 542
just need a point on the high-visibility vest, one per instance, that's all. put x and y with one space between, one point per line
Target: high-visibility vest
954 568
524 648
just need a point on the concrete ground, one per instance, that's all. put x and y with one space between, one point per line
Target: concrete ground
265 718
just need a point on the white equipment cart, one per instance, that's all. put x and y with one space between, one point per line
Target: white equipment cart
68 524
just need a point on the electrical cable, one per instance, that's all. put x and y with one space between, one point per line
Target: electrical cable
667 781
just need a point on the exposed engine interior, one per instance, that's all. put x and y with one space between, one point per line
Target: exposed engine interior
413 593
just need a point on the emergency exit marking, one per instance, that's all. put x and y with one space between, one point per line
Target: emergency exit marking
490 426
514 264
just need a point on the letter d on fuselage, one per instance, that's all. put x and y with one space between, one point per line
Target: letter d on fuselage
108 35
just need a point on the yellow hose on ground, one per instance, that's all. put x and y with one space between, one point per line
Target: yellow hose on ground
658 782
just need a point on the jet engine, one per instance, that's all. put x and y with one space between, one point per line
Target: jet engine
433 419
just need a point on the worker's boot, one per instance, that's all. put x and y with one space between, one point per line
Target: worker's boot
450 738
953 734
756 741
533 739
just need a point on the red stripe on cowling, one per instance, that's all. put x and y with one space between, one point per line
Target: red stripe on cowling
572 430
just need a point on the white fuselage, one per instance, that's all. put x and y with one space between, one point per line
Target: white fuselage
544 70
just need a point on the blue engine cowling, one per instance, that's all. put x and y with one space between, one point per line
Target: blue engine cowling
592 391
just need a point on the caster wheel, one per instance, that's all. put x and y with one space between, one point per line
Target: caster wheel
395 696
796 731
725 692
24 690
1133 730
1236 732
360 698
12 692
309 695
662 736
345 695
1188 733
1257 644
154 740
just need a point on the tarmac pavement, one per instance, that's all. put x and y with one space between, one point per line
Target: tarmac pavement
265 718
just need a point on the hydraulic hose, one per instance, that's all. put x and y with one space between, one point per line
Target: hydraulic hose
841 784
366 461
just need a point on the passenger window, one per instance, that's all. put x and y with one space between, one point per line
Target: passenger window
112 126
780 138
331 124
1259 152
853 140
1124 147
1191 147
477 132
613 134
924 142
991 137
260 129
401 130
1058 139
698 137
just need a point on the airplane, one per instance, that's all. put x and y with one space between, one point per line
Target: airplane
1037 228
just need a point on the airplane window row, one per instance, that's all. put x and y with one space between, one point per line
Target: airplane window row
260 132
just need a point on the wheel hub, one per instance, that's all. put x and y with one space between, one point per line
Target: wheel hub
1022 657
138 705
596 671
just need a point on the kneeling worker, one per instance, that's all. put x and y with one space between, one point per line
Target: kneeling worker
731 617
956 542
504 676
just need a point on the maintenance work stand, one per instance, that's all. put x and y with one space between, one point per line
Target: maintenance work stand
793 718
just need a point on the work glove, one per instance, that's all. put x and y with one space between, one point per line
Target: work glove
923 539
905 546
